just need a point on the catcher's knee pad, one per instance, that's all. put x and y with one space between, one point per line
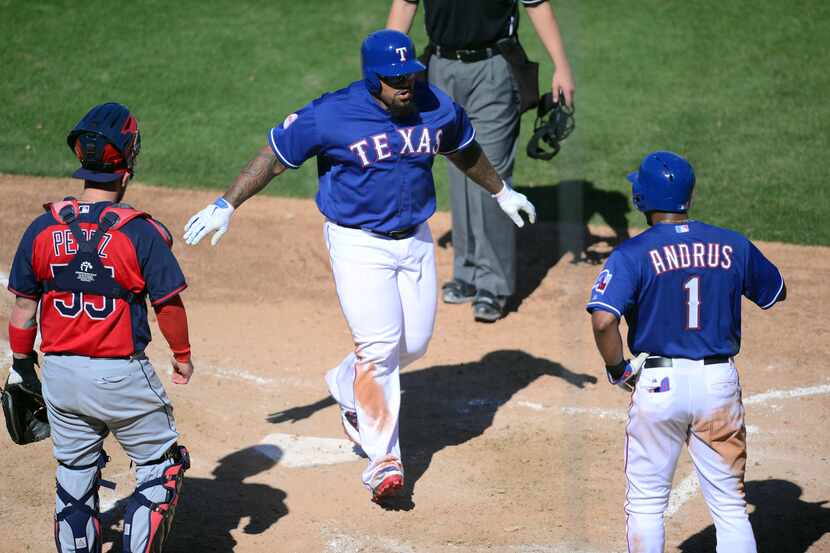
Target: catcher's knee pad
150 509
77 527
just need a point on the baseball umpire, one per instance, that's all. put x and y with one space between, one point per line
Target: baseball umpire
91 263
375 142
679 285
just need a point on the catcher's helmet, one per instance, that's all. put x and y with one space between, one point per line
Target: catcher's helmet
106 141
387 53
554 123
664 182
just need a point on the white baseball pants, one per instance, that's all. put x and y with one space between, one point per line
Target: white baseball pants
388 294
700 405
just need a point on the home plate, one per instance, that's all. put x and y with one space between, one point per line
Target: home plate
306 451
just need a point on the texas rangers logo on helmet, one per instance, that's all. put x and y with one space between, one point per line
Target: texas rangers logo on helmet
401 52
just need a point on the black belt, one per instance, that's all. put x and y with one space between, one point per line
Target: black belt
137 356
468 55
657 361
399 234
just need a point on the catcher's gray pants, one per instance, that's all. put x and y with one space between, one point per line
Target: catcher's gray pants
483 237
86 399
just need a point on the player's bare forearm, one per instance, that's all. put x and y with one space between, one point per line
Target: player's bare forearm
23 316
544 22
401 15
474 163
607 336
254 177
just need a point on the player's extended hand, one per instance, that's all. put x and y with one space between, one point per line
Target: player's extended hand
512 202
181 371
625 374
216 216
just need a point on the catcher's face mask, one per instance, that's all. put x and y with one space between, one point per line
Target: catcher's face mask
554 123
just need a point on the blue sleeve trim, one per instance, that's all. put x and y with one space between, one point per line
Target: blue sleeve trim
777 294
463 145
277 152
603 307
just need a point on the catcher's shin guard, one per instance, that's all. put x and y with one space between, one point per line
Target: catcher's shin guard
149 514
78 521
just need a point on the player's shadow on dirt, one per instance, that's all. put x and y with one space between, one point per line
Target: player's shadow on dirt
782 522
448 405
211 507
562 214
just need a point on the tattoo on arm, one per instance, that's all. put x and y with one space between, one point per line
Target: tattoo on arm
24 313
254 177
474 163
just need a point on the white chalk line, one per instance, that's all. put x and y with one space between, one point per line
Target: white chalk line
338 542
4 279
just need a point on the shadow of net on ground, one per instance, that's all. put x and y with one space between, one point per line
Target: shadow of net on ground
448 405
781 521
562 214
209 508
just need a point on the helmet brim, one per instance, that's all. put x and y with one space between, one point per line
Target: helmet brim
633 178
97 176
398 69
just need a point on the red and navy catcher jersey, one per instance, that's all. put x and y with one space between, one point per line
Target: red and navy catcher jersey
679 287
137 255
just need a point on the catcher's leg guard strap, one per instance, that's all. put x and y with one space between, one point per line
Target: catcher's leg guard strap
150 510
77 522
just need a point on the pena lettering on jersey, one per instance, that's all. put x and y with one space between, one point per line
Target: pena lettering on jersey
374 171
679 287
136 255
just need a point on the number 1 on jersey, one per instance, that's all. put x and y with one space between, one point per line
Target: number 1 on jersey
692 287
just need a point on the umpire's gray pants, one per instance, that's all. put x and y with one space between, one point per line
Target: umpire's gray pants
483 237
86 399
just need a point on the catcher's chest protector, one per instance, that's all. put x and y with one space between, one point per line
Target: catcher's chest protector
85 273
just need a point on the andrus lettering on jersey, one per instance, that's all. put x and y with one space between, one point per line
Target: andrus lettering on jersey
698 255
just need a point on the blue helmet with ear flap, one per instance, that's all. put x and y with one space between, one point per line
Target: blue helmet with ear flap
387 53
664 182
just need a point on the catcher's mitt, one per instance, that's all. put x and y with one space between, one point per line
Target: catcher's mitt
554 123
23 404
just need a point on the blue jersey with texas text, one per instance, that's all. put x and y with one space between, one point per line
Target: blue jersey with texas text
375 171
679 287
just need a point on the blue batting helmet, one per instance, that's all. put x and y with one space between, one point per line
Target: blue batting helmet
106 141
387 53
664 182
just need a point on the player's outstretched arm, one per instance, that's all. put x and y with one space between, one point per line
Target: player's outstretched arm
217 216
474 163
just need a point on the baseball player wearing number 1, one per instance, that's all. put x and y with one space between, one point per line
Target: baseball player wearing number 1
375 142
679 285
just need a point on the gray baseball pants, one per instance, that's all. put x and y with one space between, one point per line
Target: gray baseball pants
86 399
483 237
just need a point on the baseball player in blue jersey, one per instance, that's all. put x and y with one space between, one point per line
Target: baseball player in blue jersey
375 142
679 285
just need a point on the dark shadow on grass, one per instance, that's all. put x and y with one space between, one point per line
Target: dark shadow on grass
448 405
782 522
210 508
563 211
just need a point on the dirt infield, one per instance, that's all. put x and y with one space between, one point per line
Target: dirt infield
512 440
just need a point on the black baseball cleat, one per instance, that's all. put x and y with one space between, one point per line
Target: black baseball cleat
487 307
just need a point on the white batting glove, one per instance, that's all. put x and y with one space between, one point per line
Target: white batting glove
512 202
625 374
216 216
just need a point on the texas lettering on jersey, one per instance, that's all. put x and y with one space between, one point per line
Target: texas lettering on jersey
377 148
374 170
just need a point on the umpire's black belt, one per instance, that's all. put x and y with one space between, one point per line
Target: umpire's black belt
468 56
399 234
657 361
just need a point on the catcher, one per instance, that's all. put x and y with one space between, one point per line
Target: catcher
91 263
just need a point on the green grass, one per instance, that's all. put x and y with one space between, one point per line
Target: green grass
738 87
